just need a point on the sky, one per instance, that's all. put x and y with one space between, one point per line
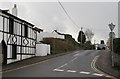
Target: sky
50 16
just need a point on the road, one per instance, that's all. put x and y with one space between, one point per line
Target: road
76 64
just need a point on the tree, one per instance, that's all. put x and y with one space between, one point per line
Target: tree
88 42
81 37
89 34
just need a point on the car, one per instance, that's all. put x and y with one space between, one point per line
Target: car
101 46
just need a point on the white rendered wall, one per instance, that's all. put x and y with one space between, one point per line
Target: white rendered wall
42 49
18 58
42 35
1 36
1 27
1 22
119 19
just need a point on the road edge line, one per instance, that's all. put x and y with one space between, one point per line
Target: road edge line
93 66
17 68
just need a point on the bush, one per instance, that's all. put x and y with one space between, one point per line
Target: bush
116 45
88 46
60 45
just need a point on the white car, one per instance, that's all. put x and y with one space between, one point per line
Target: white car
101 47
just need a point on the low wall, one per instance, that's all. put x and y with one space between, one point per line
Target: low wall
42 49
116 60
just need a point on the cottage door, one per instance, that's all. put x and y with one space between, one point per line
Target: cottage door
4 52
14 51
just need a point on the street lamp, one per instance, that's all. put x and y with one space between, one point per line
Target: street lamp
111 35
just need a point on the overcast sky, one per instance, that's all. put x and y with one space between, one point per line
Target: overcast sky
50 16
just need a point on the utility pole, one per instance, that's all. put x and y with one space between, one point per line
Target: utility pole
81 36
111 35
95 44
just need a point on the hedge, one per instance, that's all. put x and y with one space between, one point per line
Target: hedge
116 45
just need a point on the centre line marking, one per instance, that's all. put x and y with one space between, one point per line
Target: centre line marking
82 72
62 66
60 70
71 71
97 74
74 59
76 54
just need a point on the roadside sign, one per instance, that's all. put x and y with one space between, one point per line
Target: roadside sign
111 26
112 35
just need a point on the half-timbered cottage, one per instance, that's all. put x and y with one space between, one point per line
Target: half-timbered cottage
18 38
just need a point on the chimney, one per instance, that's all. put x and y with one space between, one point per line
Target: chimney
14 10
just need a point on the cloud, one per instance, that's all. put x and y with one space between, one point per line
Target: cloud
89 15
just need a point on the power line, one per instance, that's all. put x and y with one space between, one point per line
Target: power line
68 15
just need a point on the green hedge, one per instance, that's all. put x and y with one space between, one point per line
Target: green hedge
116 45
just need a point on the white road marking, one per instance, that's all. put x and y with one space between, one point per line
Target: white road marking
109 76
76 54
82 72
62 66
97 74
71 71
73 59
60 70
67 63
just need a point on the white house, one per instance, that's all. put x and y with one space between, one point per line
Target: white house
44 49
17 36
42 35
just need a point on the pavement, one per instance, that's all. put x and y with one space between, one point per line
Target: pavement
81 63
105 65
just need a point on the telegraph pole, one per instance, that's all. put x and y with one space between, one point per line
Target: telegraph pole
81 36
111 35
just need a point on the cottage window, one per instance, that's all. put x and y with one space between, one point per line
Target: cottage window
11 25
26 30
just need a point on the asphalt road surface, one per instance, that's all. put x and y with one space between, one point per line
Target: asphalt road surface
76 64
